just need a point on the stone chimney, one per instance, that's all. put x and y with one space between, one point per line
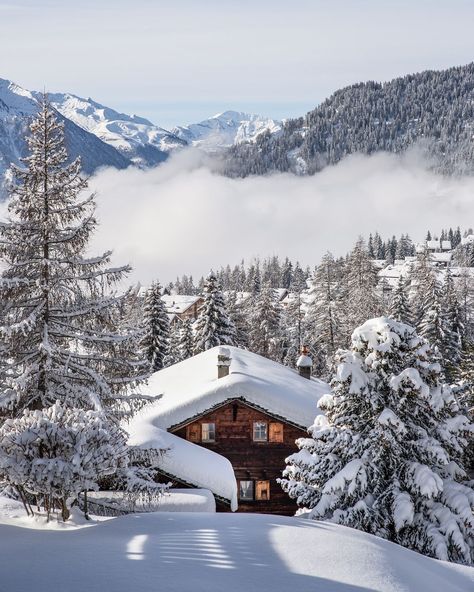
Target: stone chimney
304 363
223 362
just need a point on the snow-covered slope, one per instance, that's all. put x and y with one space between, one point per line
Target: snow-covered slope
226 129
17 105
135 137
200 552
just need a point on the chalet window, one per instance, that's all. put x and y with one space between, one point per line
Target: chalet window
262 490
260 429
275 432
246 490
208 432
193 432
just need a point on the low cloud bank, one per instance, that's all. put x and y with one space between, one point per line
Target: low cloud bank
182 217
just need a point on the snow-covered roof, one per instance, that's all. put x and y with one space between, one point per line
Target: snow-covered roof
441 257
174 303
188 462
190 388
179 303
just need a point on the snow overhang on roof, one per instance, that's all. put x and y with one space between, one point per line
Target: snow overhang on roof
185 461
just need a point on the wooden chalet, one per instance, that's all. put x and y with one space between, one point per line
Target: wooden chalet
236 406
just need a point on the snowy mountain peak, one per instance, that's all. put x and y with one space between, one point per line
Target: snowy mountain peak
226 129
135 137
18 105
15 99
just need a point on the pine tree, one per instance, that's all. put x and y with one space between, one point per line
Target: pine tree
59 337
454 328
213 326
362 298
155 341
388 456
239 314
433 326
400 307
265 324
173 352
422 286
186 340
323 318
58 318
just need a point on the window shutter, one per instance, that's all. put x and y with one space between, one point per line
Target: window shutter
193 432
262 490
276 432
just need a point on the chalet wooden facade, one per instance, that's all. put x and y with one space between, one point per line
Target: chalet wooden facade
256 443
245 410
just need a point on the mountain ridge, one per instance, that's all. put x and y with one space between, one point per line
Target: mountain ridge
434 108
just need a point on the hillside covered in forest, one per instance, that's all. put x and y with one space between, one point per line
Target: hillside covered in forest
433 110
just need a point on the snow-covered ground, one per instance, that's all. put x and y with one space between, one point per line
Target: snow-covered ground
200 552
174 500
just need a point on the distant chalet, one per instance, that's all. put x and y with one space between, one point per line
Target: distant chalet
229 418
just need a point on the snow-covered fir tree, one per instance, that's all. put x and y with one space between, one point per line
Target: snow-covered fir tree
422 286
388 456
264 338
400 305
186 340
323 318
59 315
362 299
237 306
454 333
433 325
156 330
213 326
292 319
173 351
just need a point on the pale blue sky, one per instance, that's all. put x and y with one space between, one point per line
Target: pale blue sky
180 61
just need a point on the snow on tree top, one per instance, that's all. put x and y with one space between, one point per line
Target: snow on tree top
186 461
192 387
380 333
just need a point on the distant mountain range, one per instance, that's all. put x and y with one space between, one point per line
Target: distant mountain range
105 137
434 109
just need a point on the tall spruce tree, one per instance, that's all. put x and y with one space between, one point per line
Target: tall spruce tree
59 315
362 297
156 329
388 456
213 325
265 324
186 340
454 327
323 318
422 286
400 306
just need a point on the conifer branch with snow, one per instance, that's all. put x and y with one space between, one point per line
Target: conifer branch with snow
388 456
